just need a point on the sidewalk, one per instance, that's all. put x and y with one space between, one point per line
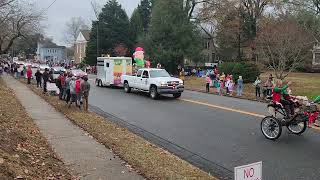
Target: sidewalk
85 156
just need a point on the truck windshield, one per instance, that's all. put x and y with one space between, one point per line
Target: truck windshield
159 73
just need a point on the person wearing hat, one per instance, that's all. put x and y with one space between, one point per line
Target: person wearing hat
85 88
38 76
45 77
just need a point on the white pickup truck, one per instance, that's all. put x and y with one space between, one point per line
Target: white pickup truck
153 81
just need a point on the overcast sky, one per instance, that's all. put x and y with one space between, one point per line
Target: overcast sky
62 10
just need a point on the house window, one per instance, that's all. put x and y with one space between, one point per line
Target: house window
317 58
78 48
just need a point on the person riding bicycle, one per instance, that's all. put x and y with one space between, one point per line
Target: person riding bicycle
280 94
291 100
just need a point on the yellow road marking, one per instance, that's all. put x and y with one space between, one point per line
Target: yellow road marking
233 110
224 108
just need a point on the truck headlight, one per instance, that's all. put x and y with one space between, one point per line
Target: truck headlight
181 83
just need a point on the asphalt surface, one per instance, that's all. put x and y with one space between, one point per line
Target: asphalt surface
225 138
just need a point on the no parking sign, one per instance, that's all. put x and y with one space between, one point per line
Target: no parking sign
248 172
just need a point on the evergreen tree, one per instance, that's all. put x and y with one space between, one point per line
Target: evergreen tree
172 38
113 28
136 25
145 13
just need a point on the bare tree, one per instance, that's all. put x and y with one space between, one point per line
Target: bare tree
312 5
211 15
120 50
4 3
17 19
191 5
73 28
285 45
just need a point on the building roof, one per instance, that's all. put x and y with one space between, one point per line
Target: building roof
47 43
86 34
57 47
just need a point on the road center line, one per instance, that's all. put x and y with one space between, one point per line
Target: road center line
224 108
234 110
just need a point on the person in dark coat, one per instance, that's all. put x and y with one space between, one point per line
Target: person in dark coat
45 77
38 76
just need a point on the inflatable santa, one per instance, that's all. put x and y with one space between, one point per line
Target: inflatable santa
138 56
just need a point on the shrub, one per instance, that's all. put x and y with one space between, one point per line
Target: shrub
248 71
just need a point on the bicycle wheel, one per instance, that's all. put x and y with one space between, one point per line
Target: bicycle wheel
271 127
298 126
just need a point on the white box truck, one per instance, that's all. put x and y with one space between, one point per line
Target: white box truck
110 70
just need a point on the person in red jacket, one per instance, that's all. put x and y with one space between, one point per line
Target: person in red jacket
62 82
29 74
78 91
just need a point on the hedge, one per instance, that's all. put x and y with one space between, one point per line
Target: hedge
248 71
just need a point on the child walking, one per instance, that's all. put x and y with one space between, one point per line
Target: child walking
218 85
230 87
208 80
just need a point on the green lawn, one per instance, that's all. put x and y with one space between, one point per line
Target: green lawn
304 84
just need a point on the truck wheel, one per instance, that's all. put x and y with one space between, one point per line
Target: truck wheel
97 82
153 92
126 87
177 95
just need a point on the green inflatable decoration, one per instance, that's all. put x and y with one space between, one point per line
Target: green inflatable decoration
139 62
139 57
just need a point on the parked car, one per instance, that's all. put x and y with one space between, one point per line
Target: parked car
153 81
78 72
57 71
35 65
42 67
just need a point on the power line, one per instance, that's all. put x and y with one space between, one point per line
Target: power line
54 1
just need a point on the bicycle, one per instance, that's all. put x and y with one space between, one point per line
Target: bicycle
271 126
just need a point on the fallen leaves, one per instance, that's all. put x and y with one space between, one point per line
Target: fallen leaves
24 152
144 157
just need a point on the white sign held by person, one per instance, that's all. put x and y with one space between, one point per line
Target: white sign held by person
248 172
52 87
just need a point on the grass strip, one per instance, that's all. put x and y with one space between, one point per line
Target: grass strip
24 152
148 159
304 84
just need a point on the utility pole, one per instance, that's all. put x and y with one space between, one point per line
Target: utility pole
97 16
239 35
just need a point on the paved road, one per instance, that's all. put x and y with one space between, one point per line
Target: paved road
204 124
